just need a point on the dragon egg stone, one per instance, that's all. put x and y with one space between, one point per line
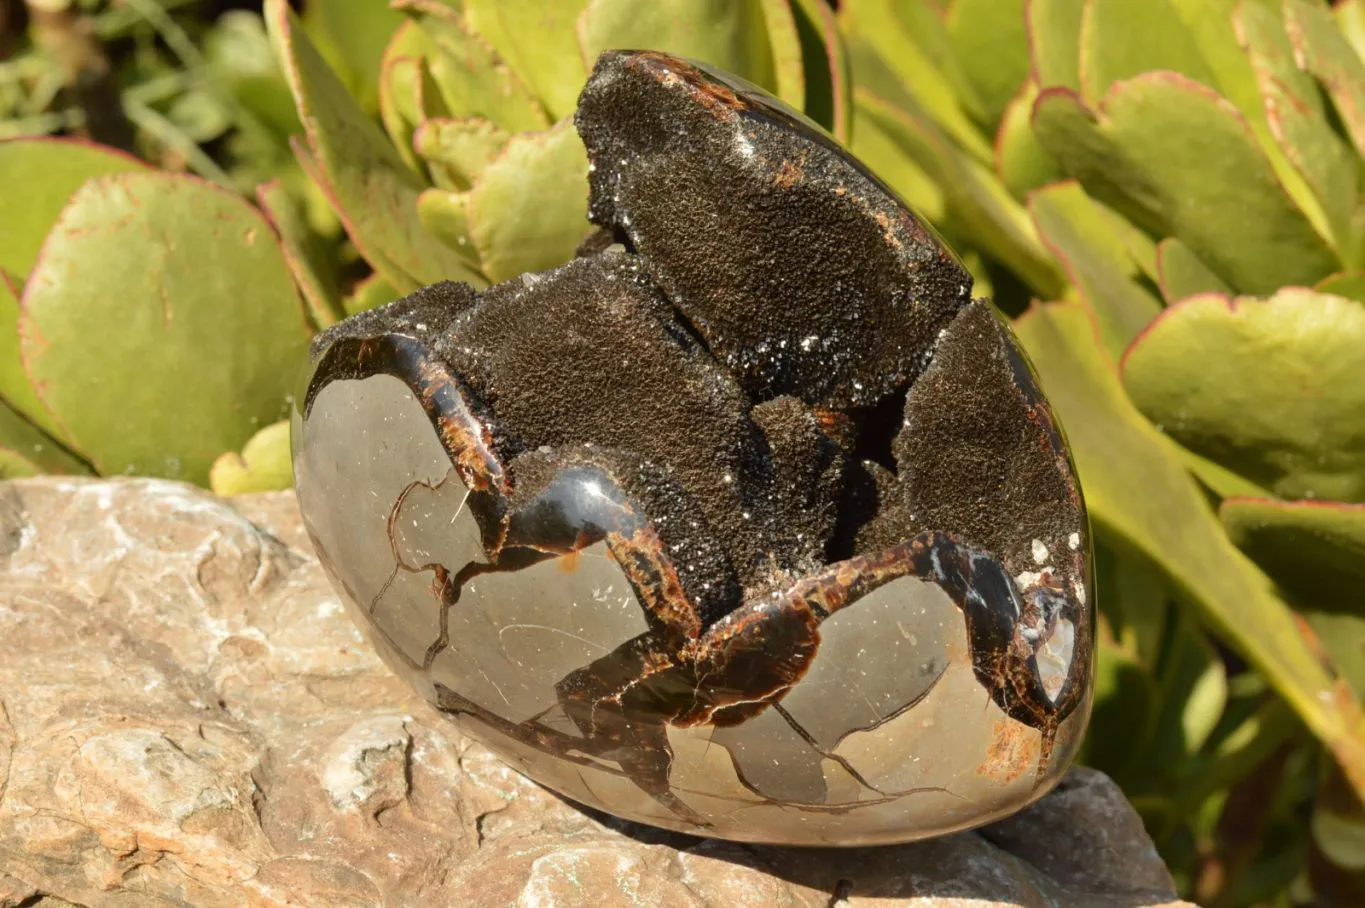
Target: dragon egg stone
748 522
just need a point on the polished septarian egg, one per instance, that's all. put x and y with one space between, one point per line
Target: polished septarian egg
748 522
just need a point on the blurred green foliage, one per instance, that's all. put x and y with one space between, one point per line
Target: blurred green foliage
1165 195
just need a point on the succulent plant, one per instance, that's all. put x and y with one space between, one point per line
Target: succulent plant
478 174
1181 178
148 320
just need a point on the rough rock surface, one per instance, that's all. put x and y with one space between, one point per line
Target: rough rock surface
187 717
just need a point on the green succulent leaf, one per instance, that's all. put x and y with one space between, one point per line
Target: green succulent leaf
1213 25
1096 259
304 252
198 336
729 34
1180 161
1350 284
15 386
884 30
1125 698
1350 16
1140 246
1054 28
989 38
369 293
399 107
529 210
1315 550
264 464
876 147
445 215
372 189
27 429
463 148
14 465
27 451
1326 53
358 30
1299 122
474 81
40 175
927 26
1181 274
398 77
1138 491
1022 163
829 84
1132 599
977 204
1270 388
1123 40
784 42
538 41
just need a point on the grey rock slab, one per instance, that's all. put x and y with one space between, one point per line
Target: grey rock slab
189 717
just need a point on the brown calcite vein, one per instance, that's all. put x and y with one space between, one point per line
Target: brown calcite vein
187 717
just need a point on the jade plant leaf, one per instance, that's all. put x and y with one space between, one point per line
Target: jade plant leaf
1350 16
1298 120
398 83
1180 273
375 192
1350 284
398 74
537 40
990 39
729 34
1074 227
264 464
978 205
471 77
876 148
445 215
1139 492
1269 388
1179 161
1326 53
304 252
1054 28
16 388
27 428
359 32
463 147
1022 163
784 44
1213 25
1124 702
198 337
40 175
369 293
26 451
829 87
1122 40
535 196
1315 550
881 28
